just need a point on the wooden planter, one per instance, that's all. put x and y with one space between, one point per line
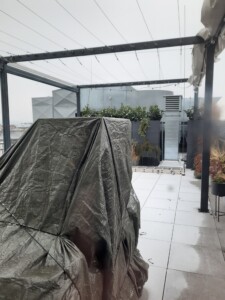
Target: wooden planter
218 189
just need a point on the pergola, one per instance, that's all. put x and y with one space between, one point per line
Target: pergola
209 45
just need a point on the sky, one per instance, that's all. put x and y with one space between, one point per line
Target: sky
31 26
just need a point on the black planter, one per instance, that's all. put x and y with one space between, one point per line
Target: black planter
218 189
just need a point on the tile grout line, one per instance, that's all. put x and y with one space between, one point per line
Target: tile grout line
164 286
151 190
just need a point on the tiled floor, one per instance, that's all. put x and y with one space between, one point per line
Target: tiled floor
180 244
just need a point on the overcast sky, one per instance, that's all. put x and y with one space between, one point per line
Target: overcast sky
51 25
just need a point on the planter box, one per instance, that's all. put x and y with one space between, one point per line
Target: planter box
194 133
153 133
218 189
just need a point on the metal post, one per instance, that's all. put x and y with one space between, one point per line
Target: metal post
78 103
5 109
207 126
196 104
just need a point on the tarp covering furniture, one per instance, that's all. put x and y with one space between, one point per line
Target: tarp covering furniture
69 219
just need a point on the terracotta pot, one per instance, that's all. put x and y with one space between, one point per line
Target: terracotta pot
218 189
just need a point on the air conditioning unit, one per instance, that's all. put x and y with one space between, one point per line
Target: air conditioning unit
173 103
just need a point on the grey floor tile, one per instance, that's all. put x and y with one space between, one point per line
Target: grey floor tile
190 189
153 289
144 184
168 188
188 206
158 193
194 219
142 194
196 236
156 253
196 259
185 196
189 286
161 203
156 230
157 215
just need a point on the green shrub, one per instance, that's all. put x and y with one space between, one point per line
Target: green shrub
155 113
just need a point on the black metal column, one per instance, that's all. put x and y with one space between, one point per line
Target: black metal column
5 109
78 103
196 104
207 123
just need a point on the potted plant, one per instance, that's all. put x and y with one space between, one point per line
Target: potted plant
148 153
217 171
198 166
191 114
135 156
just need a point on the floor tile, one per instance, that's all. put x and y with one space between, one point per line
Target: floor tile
161 203
157 215
168 188
190 190
189 196
157 193
194 219
188 206
189 286
142 194
196 236
153 289
144 183
196 259
156 230
154 252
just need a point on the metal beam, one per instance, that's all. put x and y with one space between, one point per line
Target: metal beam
5 109
207 124
35 77
176 42
151 82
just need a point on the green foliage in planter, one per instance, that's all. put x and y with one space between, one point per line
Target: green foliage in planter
146 147
190 113
217 163
125 111
143 127
155 113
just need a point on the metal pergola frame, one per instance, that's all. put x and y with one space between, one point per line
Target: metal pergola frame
185 41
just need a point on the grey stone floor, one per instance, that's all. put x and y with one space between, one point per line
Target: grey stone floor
181 245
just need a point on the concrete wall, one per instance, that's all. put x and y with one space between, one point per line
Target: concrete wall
62 104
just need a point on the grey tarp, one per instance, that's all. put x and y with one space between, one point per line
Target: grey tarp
212 14
69 218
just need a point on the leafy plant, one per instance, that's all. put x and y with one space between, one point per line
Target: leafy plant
146 147
217 164
198 166
191 114
155 113
125 111
135 156
143 127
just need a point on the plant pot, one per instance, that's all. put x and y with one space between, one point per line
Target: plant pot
218 189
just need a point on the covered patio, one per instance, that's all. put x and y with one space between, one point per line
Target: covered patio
179 236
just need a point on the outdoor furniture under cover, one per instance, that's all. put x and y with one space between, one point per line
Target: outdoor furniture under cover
69 218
